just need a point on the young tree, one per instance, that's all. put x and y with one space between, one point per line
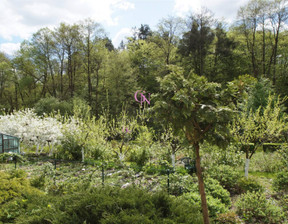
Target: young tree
196 106
258 127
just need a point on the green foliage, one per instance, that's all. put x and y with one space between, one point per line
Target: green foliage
215 156
51 105
253 207
70 149
218 198
110 205
215 190
226 175
259 94
214 204
14 184
140 156
191 102
283 156
228 218
280 183
266 162
5 157
260 126
248 184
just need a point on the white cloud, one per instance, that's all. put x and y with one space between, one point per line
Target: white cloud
121 35
226 9
21 18
9 48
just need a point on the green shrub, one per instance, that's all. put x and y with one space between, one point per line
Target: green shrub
111 205
253 207
265 162
140 156
215 156
226 175
15 191
52 104
228 218
283 156
180 184
215 206
248 184
71 149
280 183
214 189
13 184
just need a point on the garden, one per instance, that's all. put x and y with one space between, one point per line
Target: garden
185 123
79 169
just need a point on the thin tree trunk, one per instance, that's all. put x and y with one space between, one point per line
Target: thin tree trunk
201 185
247 167
173 159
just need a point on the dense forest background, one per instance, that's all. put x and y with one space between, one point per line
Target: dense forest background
78 61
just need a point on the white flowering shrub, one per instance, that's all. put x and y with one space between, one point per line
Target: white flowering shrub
31 129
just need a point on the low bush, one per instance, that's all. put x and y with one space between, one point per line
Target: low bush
226 175
140 156
248 184
280 183
265 162
14 184
253 207
215 206
228 218
110 205
218 199
214 189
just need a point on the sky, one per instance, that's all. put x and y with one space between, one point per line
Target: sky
19 19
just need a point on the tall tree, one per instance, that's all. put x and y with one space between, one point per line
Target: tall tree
196 106
167 37
278 15
195 43
70 38
43 53
91 32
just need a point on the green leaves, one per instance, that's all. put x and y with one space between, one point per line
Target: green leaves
192 103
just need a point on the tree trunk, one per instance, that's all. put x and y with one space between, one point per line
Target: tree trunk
247 167
83 156
201 185
173 159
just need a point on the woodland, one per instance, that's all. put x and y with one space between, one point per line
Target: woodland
105 130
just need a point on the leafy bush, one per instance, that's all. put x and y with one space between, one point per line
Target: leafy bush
228 218
13 184
248 184
15 190
140 156
283 156
253 207
215 206
214 189
226 175
70 149
280 183
52 104
215 156
218 199
265 162
111 205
